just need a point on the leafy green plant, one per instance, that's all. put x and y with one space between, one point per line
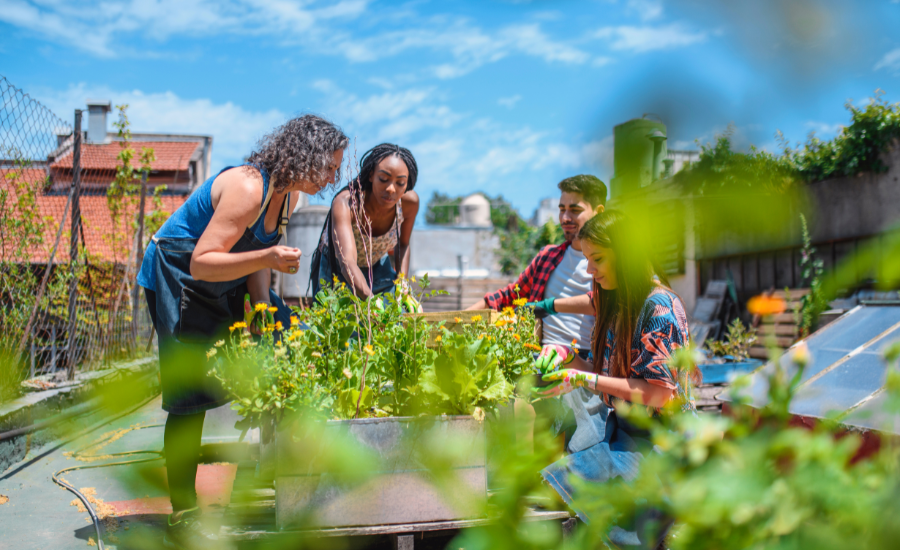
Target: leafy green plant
736 344
346 357
811 268
465 376
857 147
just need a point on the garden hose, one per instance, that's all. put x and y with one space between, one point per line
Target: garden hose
65 485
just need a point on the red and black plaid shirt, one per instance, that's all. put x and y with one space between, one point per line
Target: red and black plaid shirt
533 281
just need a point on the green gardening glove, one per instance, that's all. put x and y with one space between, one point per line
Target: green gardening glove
544 308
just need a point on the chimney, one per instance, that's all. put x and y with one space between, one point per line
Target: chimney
97 110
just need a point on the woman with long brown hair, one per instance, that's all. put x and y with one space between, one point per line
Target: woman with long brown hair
640 323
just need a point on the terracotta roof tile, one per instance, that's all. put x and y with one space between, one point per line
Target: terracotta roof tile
170 155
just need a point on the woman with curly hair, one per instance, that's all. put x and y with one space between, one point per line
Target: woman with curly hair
220 244
372 216
640 323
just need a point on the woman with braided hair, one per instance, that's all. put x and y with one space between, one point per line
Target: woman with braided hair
370 218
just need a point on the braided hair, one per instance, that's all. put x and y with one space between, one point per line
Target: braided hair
373 156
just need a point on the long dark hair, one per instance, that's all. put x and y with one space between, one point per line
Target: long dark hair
635 268
373 156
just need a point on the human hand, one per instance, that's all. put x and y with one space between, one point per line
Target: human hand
543 308
566 380
552 356
284 259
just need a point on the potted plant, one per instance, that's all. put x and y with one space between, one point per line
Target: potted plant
730 356
366 377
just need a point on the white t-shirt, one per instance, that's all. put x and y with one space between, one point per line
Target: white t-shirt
570 278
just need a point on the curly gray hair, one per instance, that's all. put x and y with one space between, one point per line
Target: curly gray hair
301 149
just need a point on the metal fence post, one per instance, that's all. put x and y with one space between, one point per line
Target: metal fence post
138 259
73 247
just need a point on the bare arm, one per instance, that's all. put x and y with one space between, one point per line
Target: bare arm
481 304
576 304
258 284
635 390
239 196
341 222
410 210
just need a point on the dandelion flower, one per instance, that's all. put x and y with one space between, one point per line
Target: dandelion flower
438 338
346 344
295 320
368 349
262 306
517 337
520 302
500 323
476 318
273 309
278 325
240 324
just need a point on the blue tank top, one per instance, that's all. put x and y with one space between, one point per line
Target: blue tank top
191 220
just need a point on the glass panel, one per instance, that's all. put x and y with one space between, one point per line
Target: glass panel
855 330
845 386
873 416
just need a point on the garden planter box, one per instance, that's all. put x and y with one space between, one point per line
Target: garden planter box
392 483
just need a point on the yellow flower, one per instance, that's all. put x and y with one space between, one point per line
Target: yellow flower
220 343
278 343
508 310
346 344
476 318
260 306
438 338
368 349
517 337
278 325
532 347
210 353
273 309
458 319
520 302
500 323
270 327
239 324
295 320
574 342
231 328
412 280
482 335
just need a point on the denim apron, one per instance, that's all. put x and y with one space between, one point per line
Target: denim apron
192 315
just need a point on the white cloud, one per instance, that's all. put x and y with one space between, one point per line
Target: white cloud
235 130
645 39
824 128
647 10
890 61
313 25
509 102
85 25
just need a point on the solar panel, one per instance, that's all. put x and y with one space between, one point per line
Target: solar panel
846 367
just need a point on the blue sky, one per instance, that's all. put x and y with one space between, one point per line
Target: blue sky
507 97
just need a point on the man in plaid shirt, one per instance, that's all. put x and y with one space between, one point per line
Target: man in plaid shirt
559 271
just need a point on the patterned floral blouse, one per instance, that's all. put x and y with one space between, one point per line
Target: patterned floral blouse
662 328
377 246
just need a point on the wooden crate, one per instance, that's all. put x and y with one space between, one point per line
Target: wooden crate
783 326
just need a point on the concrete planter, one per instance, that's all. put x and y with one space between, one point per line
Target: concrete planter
392 482
268 452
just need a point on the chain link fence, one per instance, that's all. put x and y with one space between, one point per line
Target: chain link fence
69 247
